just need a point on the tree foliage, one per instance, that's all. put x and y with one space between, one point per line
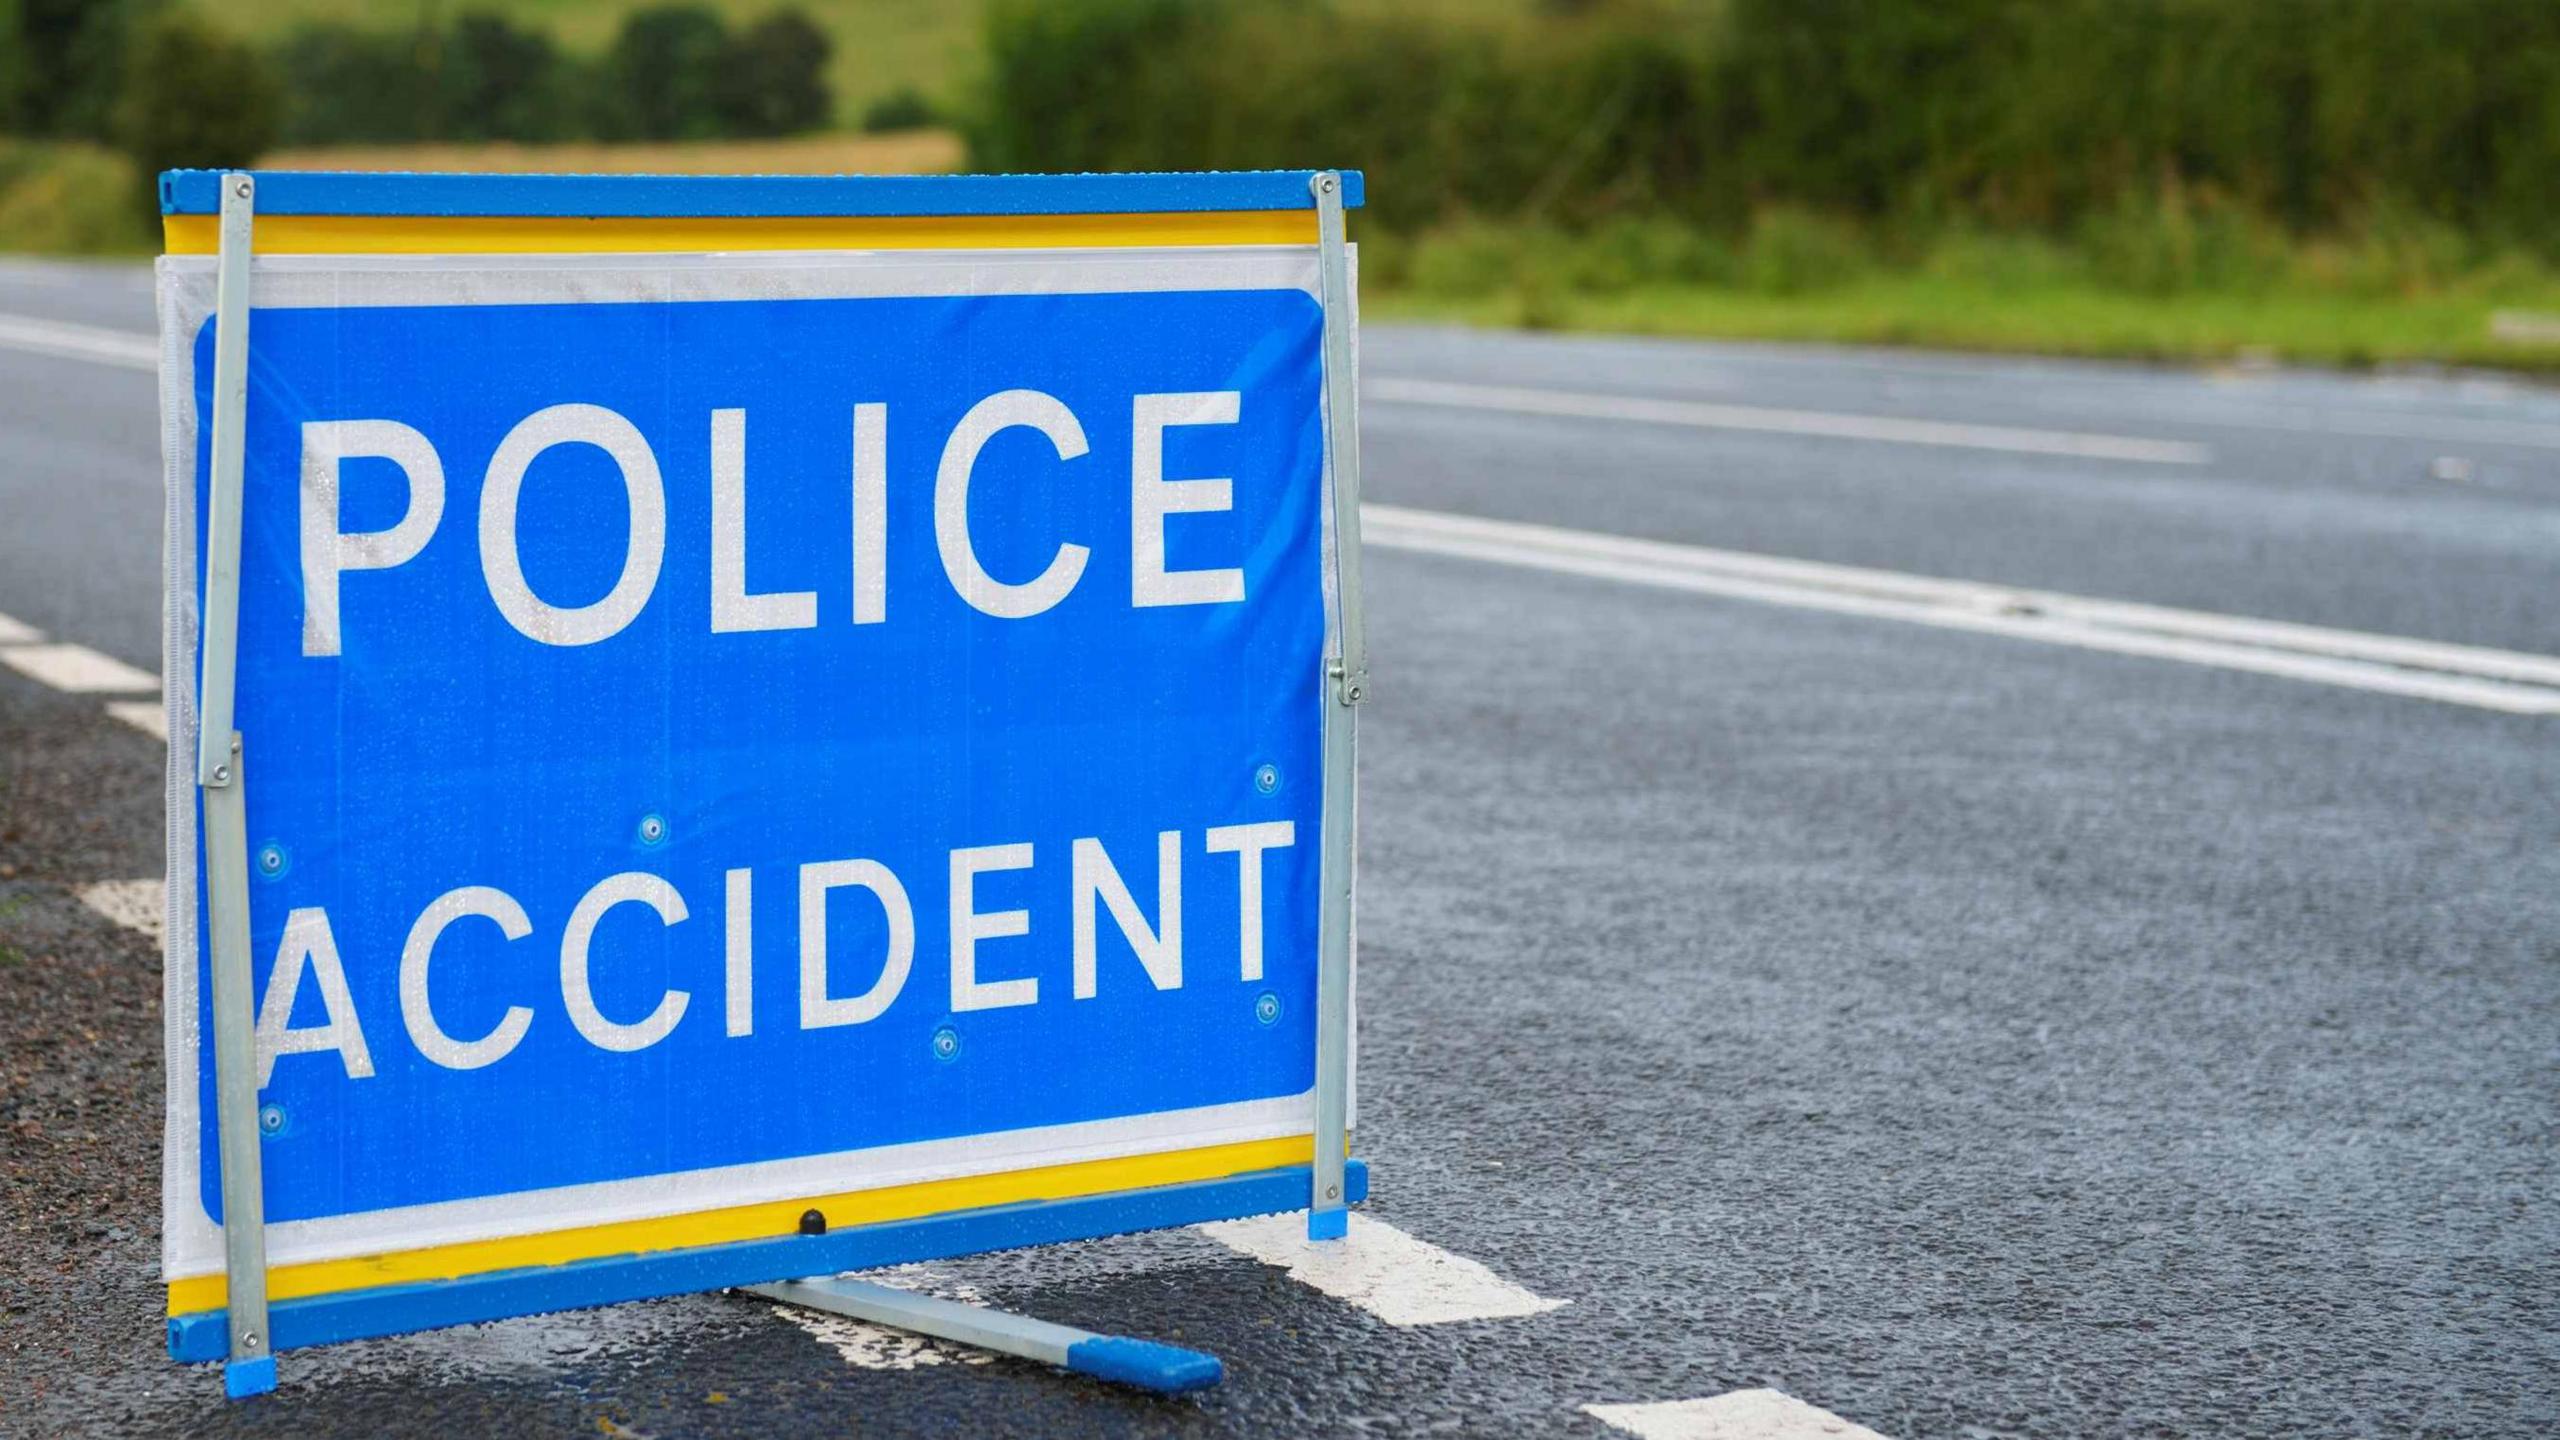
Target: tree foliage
776 77
662 79
2036 113
349 85
193 96
672 72
502 81
62 64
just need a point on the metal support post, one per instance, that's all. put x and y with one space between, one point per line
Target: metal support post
252 1366
1348 671
1165 1369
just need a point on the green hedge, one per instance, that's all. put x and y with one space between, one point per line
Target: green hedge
672 72
2315 114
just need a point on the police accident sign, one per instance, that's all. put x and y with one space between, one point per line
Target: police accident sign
728 730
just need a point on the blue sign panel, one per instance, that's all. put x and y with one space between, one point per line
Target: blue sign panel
711 748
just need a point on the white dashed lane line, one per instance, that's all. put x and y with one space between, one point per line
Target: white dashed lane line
1392 1275
77 669
134 904
1742 1415
67 340
143 715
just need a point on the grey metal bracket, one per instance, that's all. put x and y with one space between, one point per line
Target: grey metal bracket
1350 687
1348 669
1165 1369
221 774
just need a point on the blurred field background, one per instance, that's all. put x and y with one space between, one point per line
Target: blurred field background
908 152
2343 181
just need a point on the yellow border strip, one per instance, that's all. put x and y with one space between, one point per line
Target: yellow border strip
490 235
755 1222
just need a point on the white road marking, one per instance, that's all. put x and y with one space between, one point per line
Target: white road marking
878 1347
60 665
2473 660
1895 429
2509 681
71 341
1741 1415
134 904
76 668
148 716
1399 1279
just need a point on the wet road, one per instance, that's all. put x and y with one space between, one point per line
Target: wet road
1967 1019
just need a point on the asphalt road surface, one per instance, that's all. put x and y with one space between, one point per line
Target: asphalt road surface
1972 1009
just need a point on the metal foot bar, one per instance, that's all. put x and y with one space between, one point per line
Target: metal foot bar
1165 1369
1348 672
252 1364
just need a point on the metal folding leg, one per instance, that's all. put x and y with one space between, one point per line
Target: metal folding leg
1348 672
1165 1369
252 1367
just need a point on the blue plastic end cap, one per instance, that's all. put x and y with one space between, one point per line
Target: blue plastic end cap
244 1378
1328 1224
1166 1369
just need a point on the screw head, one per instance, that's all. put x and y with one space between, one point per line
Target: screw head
1333 1192
221 774
271 1119
946 1043
1266 778
1266 1008
271 859
652 829
249 1341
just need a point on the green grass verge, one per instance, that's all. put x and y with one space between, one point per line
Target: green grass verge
2321 329
72 198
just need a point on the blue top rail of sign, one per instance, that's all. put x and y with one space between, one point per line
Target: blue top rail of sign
320 192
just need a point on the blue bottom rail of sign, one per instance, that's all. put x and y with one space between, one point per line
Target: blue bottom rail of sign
609 1280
